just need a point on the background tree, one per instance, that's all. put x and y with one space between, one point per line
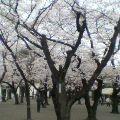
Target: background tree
5 42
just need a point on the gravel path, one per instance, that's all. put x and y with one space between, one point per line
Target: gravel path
9 111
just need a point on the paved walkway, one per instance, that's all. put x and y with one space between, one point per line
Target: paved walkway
9 111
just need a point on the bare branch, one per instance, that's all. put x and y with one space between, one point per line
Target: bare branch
14 58
92 46
107 57
28 47
48 57
80 29
41 11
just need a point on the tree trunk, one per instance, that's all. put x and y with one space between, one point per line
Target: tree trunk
115 99
62 109
27 94
115 104
64 114
90 109
91 115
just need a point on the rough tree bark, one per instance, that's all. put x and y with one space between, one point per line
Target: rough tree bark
92 109
61 102
115 101
116 90
27 95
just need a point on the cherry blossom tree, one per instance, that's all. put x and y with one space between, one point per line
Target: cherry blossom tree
78 32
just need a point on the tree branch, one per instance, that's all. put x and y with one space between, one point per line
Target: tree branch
107 57
48 57
4 65
70 53
14 58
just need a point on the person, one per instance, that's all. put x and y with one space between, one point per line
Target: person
38 100
101 100
3 92
79 102
108 101
42 92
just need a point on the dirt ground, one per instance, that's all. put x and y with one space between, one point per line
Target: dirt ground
9 111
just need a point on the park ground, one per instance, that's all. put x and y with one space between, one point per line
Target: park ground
9 111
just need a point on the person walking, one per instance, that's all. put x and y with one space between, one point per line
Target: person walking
38 100
108 101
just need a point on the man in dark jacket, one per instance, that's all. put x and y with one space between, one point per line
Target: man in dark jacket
38 100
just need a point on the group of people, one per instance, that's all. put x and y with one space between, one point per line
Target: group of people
41 99
106 100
